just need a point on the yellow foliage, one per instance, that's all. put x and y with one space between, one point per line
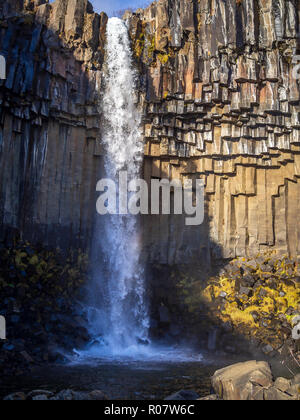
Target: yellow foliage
237 316
265 300
34 260
163 58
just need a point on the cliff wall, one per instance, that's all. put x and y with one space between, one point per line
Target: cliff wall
223 105
50 120
220 103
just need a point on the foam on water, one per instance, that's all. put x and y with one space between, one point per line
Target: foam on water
99 353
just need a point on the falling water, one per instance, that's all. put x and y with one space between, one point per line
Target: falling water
123 318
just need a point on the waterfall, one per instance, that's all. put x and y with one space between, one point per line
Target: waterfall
123 316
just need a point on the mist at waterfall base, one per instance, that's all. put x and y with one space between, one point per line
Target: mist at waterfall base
117 304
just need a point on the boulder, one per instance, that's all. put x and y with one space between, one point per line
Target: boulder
274 394
70 395
294 390
17 396
242 381
183 396
97 396
282 384
212 397
40 398
39 394
296 380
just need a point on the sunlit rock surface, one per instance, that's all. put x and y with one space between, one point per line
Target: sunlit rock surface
222 104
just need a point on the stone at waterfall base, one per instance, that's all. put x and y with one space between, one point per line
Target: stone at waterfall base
253 381
65 395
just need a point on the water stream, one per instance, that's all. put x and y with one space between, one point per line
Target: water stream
121 315
118 308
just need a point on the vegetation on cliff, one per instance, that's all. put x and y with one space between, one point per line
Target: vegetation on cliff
257 298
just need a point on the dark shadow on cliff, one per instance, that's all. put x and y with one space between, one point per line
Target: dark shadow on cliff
50 158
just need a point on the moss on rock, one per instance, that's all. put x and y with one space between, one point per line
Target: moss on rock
256 296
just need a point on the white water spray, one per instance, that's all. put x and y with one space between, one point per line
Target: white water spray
123 317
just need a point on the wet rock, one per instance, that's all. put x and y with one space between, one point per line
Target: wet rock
40 398
18 396
70 395
97 396
39 394
183 396
268 349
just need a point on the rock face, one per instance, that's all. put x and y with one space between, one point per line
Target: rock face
223 105
253 381
238 382
220 95
50 120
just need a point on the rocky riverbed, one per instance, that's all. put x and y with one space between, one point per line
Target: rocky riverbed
246 381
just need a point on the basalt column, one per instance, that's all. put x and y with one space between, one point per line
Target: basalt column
222 104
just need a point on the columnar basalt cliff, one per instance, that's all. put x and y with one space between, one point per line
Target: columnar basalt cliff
50 120
220 103
223 105
219 93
